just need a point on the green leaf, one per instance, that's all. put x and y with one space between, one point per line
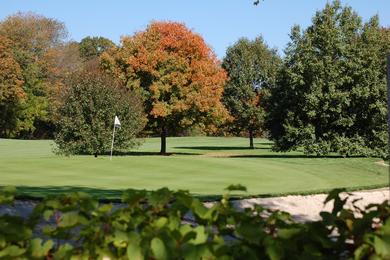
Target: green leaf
201 236
71 219
250 232
120 239
203 212
7 194
287 233
158 249
160 222
47 214
133 197
63 252
106 208
12 251
39 250
160 197
382 246
134 252
14 228
362 251
197 252
273 249
333 195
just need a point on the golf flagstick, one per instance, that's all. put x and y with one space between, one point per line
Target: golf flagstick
116 124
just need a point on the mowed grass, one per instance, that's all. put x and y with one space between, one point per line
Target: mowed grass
202 165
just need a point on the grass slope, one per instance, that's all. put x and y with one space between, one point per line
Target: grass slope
203 165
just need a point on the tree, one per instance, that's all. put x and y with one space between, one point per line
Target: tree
87 115
62 61
93 47
177 74
331 95
11 91
33 36
252 68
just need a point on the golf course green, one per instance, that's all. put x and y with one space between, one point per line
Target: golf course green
202 165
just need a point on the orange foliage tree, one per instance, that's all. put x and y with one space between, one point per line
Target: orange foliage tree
178 75
11 91
33 36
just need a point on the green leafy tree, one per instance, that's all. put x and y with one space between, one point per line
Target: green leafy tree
88 112
93 47
331 94
252 68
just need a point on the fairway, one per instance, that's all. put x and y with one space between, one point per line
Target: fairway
202 165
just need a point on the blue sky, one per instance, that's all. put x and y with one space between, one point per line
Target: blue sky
220 22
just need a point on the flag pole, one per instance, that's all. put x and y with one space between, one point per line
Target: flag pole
112 143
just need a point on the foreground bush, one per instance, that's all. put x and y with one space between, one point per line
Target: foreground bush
87 116
173 225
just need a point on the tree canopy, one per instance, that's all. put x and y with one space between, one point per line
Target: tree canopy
331 94
87 115
11 91
252 68
32 36
178 75
93 47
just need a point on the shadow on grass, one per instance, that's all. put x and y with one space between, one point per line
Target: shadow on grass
218 148
264 143
103 195
114 195
292 156
140 153
28 192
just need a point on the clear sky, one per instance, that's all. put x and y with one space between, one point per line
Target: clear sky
220 22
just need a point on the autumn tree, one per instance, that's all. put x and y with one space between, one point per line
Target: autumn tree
87 115
331 95
11 91
33 36
177 74
252 68
93 47
61 62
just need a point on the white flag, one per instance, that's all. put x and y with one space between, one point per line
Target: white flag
116 122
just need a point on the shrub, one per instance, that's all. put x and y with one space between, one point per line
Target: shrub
174 225
87 116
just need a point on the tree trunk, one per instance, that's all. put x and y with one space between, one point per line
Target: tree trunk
251 146
163 140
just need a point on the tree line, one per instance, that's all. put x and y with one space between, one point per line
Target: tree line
326 94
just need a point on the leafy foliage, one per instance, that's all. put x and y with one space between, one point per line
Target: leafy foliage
11 91
93 47
32 36
86 117
177 73
252 69
173 225
331 95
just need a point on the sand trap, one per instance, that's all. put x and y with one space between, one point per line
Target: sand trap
307 208
382 163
